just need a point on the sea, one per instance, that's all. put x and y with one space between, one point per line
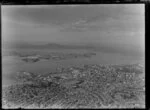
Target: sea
13 64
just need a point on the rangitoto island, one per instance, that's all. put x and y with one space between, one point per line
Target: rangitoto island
86 86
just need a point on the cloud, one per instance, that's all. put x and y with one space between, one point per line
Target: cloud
58 15
61 23
73 17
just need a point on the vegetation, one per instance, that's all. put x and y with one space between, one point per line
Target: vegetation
87 86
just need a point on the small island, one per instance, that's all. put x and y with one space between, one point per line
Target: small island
55 56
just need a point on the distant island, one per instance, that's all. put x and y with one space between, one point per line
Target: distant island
53 56
46 46
100 47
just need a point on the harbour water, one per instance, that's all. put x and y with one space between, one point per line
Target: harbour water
12 64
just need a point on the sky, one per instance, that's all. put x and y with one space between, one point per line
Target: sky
108 24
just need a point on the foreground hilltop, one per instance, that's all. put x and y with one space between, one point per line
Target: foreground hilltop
87 86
